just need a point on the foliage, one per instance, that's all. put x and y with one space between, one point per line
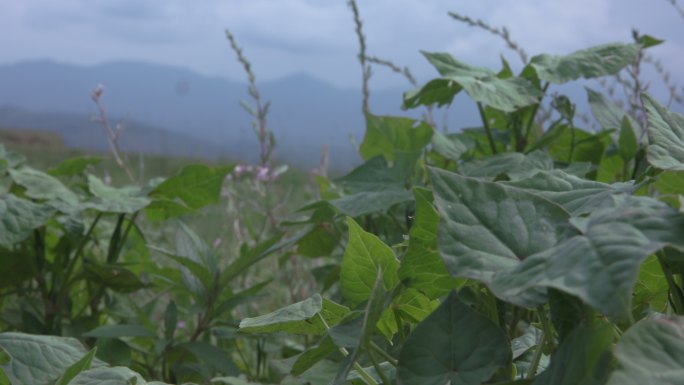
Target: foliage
524 251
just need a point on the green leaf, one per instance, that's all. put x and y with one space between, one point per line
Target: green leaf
112 276
314 355
375 185
56 355
584 358
666 136
364 256
648 41
412 306
607 113
513 165
194 187
601 265
170 320
487 227
211 355
603 60
118 331
40 185
108 376
74 166
318 242
79 366
651 352
453 345
437 91
481 84
17 267
627 141
651 290
576 195
298 318
386 135
448 146
124 200
18 218
422 267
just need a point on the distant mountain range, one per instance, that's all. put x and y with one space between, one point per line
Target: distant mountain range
175 111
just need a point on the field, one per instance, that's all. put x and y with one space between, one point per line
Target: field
528 250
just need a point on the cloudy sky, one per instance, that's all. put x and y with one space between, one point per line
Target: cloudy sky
283 37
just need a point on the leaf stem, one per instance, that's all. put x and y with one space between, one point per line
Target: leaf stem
384 354
546 325
537 356
488 130
676 294
366 376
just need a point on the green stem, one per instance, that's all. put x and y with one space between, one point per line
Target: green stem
368 379
537 356
528 127
676 294
488 130
546 325
384 354
378 369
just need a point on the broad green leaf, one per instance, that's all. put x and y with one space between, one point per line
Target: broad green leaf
513 165
79 366
320 241
74 166
608 114
368 202
124 200
666 136
412 305
651 353
191 247
117 375
576 195
651 290
575 145
438 92
670 182
40 185
487 227
601 265
170 320
298 318
481 84
386 135
628 145
212 356
529 339
422 267
195 186
448 146
112 276
56 355
117 331
453 345
364 256
584 358
314 355
113 351
17 266
375 185
603 60
18 218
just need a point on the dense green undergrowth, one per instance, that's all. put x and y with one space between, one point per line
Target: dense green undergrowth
519 252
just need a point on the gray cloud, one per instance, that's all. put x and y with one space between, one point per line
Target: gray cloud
316 36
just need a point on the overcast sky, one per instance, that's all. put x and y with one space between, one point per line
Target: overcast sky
283 37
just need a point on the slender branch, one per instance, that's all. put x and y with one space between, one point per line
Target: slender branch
502 33
365 68
112 134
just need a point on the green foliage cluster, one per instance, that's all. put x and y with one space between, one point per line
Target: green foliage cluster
512 253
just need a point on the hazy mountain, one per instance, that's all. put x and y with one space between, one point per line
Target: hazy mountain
305 112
